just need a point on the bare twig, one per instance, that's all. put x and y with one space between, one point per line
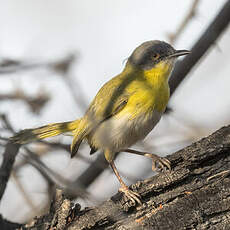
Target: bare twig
61 66
77 93
209 37
71 189
36 103
190 15
11 66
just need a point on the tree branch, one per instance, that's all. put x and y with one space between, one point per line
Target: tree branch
190 15
35 103
208 38
9 156
194 195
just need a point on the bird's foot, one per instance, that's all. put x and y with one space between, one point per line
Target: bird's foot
159 163
131 195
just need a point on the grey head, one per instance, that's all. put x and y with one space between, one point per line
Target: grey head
150 53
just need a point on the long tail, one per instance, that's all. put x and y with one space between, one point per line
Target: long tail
28 135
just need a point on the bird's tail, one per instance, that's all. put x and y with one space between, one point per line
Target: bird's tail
28 135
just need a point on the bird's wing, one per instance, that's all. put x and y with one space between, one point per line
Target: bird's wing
110 100
118 106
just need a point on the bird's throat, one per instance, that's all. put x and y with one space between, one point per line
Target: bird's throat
159 75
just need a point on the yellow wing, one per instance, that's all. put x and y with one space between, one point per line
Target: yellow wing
110 100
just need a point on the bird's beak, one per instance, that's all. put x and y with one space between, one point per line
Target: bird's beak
178 53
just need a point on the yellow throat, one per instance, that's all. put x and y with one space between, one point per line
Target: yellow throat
158 77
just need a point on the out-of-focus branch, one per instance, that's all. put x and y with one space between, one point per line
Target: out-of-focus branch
190 15
207 39
93 171
35 103
71 188
9 156
61 66
9 66
77 93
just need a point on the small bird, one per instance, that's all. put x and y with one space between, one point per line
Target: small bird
124 111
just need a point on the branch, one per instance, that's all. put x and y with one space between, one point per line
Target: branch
194 195
61 66
9 66
72 189
192 12
36 103
9 156
208 38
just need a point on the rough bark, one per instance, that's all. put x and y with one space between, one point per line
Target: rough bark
194 195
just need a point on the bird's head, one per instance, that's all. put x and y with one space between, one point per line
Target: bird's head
155 54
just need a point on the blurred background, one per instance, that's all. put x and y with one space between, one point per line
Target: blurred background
54 57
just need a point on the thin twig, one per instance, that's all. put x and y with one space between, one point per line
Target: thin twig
190 15
70 188
36 103
73 189
208 38
13 66
77 94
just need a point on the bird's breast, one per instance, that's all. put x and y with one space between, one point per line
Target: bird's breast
121 132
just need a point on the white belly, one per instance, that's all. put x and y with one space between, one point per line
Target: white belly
119 133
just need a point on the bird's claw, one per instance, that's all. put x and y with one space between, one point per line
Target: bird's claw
159 163
131 195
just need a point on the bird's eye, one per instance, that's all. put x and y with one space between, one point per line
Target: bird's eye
155 56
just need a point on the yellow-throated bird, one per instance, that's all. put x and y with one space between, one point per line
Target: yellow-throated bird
124 110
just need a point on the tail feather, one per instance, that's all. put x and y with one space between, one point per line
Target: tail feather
28 135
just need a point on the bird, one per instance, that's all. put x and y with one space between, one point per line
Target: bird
124 110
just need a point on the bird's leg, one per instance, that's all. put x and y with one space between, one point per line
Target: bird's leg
131 195
156 160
